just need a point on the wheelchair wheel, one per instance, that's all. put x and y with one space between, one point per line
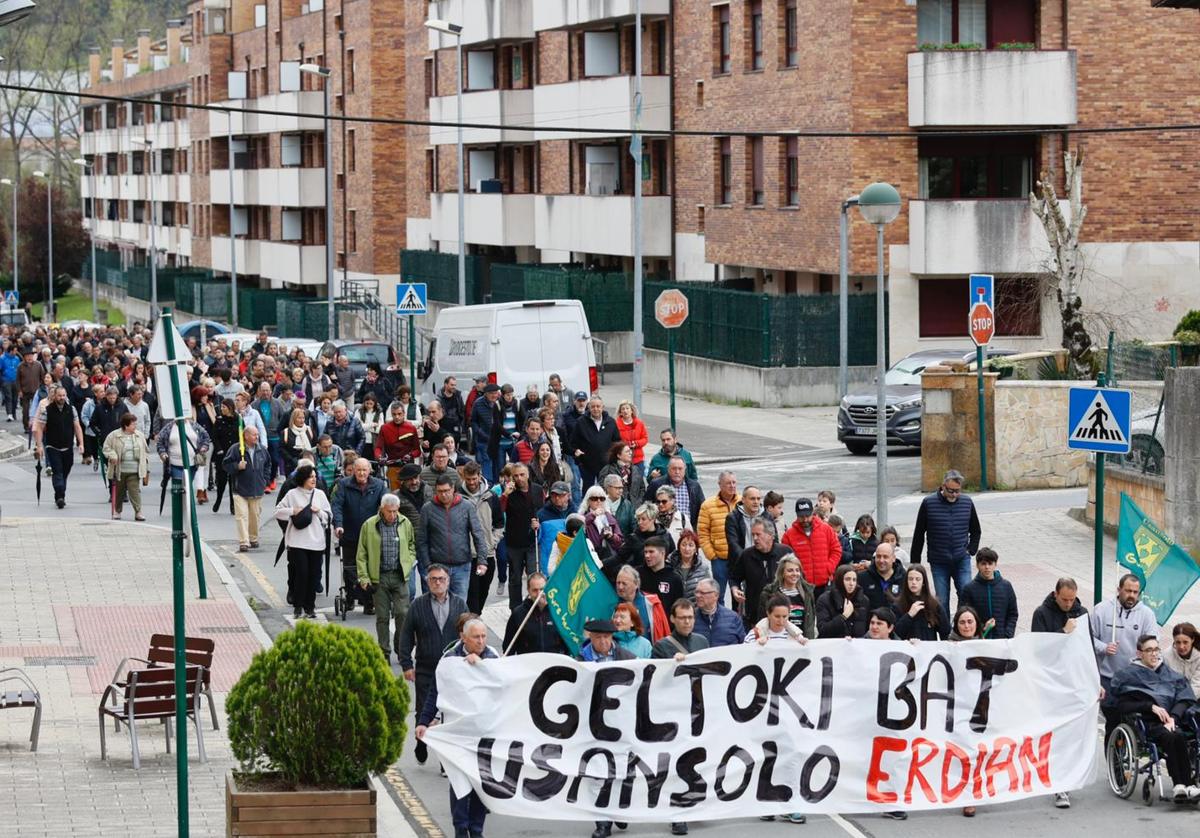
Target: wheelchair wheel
338 607
1149 789
1122 761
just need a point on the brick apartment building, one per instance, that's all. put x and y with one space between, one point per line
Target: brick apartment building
976 95
248 54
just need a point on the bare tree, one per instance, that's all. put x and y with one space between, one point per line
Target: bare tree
1067 267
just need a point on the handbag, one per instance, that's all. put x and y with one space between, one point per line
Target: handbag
301 519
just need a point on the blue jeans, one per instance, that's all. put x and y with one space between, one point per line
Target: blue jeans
959 571
485 463
502 561
460 578
60 463
467 812
275 453
576 482
720 572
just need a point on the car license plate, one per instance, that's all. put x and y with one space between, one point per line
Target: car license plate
864 431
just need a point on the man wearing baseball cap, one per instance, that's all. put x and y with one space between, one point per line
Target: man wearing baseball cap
815 544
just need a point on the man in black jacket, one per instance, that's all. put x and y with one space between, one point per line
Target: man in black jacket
688 494
429 626
882 581
949 520
530 628
356 499
591 438
520 503
754 569
992 597
454 419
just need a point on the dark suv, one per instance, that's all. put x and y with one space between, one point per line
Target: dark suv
902 389
360 353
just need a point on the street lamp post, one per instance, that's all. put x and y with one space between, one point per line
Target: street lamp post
454 30
879 204
16 272
49 313
325 73
844 302
149 143
639 338
89 169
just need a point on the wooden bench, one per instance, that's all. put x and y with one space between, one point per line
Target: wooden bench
198 651
150 694
26 697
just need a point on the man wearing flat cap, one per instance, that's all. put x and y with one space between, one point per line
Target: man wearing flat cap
601 648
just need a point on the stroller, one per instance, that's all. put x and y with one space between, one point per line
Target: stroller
350 594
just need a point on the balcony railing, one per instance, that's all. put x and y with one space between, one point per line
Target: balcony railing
984 88
959 237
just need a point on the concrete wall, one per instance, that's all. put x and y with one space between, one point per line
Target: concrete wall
759 386
950 426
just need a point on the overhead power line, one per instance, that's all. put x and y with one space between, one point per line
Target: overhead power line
814 133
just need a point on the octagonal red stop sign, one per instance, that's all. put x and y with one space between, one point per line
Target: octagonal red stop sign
982 323
671 308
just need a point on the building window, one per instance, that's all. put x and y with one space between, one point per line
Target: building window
721 62
137 163
430 87
725 171
349 71
601 54
166 162
352 231
952 22
481 70
791 34
975 167
792 171
754 39
943 305
351 151
430 170
754 151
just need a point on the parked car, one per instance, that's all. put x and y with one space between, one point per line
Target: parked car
194 329
902 383
310 348
360 353
13 317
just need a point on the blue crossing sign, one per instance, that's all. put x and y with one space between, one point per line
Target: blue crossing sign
412 298
1098 419
12 298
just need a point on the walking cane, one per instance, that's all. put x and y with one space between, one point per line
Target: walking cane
521 627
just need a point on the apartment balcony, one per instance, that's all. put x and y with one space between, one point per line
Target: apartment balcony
563 14
106 186
483 21
308 106
601 103
247 251
601 224
104 141
172 188
294 263
959 237
107 230
134 232
508 107
491 219
289 187
174 134
991 88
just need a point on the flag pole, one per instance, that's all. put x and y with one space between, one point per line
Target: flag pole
521 627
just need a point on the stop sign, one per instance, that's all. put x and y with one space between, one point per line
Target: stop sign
982 323
671 308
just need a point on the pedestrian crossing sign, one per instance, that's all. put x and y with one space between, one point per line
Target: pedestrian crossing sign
12 298
1098 419
412 298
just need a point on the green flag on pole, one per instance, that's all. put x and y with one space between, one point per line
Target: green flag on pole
577 592
1166 571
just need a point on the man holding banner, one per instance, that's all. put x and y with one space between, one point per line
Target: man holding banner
1117 624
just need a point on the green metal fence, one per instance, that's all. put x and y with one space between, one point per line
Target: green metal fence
763 330
196 292
607 297
440 272
258 307
304 317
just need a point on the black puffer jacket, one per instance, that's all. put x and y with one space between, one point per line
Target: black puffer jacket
1050 618
830 620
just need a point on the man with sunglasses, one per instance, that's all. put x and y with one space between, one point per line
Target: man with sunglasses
947 519
1163 698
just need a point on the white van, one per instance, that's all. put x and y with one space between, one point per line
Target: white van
512 343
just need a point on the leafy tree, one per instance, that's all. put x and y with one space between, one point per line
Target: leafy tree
70 240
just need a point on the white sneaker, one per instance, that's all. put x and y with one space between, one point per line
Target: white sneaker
1181 793
1193 793
1062 800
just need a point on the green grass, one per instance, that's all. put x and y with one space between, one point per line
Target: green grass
78 306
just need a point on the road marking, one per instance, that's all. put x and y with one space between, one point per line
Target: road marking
267 588
412 807
849 828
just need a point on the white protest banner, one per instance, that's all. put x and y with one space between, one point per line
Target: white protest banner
834 726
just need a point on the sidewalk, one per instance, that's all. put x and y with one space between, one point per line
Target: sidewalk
75 598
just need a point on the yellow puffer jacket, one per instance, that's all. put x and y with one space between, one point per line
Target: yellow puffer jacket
710 526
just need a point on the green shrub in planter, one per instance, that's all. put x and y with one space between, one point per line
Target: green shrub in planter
1190 322
320 708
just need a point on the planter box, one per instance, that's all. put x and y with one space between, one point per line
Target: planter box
345 814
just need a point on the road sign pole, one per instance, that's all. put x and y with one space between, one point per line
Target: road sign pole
671 371
1098 558
177 536
412 358
983 476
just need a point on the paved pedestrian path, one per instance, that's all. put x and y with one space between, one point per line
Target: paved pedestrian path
75 598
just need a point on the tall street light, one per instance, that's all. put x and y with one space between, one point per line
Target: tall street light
879 204
89 169
13 184
455 32
13 10
844 301
325 73
49 244
635 148
149 169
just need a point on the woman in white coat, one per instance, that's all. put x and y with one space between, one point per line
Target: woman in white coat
307 513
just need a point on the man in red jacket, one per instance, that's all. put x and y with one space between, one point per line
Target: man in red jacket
397 444
815 544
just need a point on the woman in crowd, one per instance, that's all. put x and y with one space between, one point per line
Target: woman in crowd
296 440
601 526
790 582
842 609
371 418
919 615
631 633
543 468
306 511
965 626
633 433
689 562
620 463
1183 656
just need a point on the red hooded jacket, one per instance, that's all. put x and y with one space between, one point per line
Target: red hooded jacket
819 553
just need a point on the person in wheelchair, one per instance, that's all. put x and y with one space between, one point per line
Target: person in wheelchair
1164 701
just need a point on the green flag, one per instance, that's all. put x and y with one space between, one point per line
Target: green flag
577 592
1165 569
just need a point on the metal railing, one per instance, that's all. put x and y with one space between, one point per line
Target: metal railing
362 298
